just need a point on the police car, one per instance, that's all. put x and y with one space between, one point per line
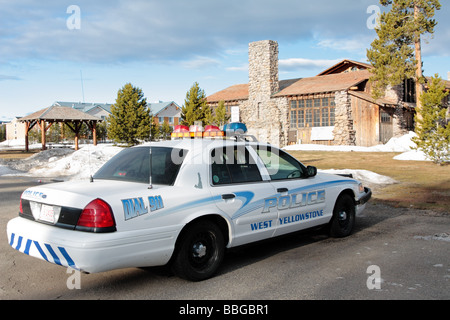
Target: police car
181 202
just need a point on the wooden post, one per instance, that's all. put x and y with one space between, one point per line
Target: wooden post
94 132
27 130
43 130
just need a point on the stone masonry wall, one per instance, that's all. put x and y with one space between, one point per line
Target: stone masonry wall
343 131
266 117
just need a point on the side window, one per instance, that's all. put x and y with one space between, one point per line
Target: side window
279 164
233 165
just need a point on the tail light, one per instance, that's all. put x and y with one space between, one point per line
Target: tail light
97 216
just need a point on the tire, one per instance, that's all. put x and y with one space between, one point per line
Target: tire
199 252
343 219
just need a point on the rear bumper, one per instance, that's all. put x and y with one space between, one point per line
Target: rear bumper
91 252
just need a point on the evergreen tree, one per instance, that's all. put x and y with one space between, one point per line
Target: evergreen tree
195 107
165 130
221 116
396 53
130 118
433 130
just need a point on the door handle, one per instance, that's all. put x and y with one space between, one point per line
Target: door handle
228 196
281 190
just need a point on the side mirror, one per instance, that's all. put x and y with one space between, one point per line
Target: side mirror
311 171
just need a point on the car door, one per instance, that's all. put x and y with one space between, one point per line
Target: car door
299 198
240 192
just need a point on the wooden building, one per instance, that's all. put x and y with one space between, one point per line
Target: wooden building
334 107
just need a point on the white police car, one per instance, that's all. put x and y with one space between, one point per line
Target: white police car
199 197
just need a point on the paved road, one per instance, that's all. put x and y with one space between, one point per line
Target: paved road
407 248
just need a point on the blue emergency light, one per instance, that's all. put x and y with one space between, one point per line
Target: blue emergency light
235 127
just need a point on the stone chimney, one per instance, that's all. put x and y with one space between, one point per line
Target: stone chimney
263 70
266 117
448 76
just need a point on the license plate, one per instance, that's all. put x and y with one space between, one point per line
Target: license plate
47 214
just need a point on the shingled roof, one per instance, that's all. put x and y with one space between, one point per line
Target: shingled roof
236 92
59 114
327 83
240 91
292 87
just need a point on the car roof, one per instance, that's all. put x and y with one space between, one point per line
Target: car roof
192 144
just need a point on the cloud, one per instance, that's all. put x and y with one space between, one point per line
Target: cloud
172 30
241 68
301 63
6 77
200 62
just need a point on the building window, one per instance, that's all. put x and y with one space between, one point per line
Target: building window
293 119
317 112
301 118
325 118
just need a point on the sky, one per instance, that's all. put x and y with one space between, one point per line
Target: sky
77 50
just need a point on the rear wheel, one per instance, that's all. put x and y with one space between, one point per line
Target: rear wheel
199 252
343 220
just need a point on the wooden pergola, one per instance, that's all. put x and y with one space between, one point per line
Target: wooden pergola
57 114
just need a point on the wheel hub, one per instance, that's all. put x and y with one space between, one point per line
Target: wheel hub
342 215
199 250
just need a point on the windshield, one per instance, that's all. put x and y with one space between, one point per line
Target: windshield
133 165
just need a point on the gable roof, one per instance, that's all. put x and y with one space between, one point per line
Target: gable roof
157 107
346 65
240 91
84 106
60 114
326 83
236 92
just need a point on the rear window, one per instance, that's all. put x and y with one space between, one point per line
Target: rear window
133 165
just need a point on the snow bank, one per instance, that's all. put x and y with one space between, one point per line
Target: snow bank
5 170
65 163
368 178
17 144
402 144
415 155
363 176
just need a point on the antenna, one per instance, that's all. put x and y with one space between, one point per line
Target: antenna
82 88
151 159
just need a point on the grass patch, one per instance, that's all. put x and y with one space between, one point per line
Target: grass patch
422 184
17 154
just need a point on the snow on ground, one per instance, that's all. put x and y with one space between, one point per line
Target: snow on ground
402 144
365 176
62 162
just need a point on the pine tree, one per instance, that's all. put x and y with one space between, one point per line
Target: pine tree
165 130
130 118
433 131
195 107
396 53
221 116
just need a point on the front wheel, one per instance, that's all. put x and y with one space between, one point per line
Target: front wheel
199 252
343 220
